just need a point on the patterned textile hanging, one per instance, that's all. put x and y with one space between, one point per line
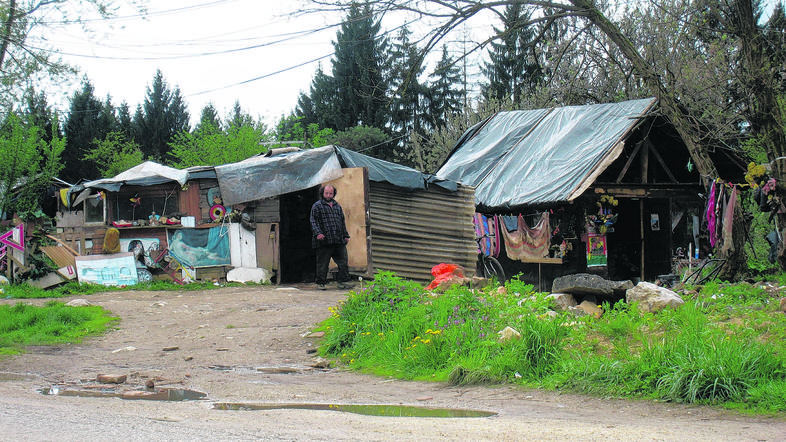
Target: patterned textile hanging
527 244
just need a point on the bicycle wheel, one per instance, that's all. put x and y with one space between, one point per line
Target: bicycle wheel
493 269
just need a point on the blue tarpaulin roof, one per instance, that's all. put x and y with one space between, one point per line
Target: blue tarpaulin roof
543 156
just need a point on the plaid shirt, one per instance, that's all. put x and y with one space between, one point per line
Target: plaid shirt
328 220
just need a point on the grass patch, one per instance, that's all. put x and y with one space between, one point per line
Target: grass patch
725 346
23 325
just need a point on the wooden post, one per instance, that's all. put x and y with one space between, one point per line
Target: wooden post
641 230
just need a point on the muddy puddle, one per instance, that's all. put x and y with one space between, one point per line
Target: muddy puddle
368 410
266 370
159 394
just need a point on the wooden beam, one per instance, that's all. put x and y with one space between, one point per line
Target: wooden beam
660 160
641 231
630 160
645 165
679 191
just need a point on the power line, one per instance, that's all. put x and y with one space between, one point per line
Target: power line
141 15
261 76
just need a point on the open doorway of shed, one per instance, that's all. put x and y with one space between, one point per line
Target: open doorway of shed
643 228
297 257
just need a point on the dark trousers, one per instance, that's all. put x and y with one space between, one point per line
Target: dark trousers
339 254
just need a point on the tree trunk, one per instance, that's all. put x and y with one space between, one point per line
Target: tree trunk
763 110
7 28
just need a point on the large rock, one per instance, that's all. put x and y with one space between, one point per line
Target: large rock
584 284
591 309
652 298
111 378
562 301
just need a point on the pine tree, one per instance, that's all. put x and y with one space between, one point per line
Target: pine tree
408 106
444 91
357 71
124 122
209 121
107 118
86 122
37 112
319 106
162 115
238 118
513 70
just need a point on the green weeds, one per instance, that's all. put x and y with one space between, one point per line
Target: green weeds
725 346
55 323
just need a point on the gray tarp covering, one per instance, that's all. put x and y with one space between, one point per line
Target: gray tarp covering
264 177
268 176
540 156
145 174
396 174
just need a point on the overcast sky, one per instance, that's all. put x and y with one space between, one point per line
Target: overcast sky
215 51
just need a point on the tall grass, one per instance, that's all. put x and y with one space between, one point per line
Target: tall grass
724 346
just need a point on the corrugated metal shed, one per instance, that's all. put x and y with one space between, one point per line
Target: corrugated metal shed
411 232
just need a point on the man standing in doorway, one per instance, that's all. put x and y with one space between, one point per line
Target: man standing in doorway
329 237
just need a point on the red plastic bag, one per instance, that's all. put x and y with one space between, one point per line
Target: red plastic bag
442 272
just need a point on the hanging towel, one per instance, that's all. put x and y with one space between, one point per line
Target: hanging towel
526 244
511 222
495 227
728 221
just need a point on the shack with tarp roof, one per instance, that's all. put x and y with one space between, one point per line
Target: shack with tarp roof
255 214
605 188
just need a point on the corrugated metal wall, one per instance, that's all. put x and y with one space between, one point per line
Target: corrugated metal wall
411 232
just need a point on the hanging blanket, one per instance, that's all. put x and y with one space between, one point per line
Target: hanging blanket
710 214
487 228
525 244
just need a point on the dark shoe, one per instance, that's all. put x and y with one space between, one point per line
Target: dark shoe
345 286
321 287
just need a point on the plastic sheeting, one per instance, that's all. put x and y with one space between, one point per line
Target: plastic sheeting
541 156
200 247
396 174
145 174
264 177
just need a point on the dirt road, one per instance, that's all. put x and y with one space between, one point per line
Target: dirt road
250 345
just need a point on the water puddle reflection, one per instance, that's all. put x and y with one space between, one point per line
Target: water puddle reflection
160 394
368 410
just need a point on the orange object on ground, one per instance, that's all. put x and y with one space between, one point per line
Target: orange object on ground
443 272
